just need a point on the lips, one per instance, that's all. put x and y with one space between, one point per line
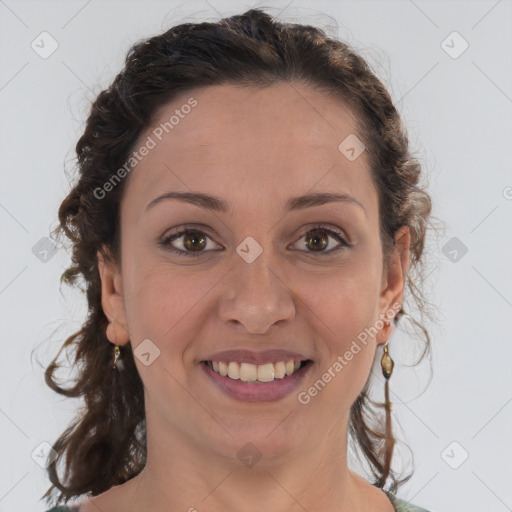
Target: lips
249 375
257 391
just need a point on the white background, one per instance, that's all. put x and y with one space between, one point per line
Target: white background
458 113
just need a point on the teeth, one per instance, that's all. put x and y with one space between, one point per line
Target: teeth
234 371
248 372
223 368
265 372
279 370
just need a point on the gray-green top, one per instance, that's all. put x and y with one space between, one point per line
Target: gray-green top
399 504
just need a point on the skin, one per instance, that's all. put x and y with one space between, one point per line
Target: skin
254 148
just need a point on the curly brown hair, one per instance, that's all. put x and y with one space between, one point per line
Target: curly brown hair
106 443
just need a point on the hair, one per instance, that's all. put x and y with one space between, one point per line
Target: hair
105 445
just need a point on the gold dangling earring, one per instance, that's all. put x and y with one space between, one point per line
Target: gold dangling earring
117 351
387 365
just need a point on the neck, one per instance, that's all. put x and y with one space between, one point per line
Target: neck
182 475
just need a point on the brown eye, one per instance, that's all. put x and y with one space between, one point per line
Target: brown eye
194 240
317 239
193 243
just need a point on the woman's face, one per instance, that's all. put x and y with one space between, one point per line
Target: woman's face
253 277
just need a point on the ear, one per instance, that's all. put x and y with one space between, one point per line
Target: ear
393 281
112 301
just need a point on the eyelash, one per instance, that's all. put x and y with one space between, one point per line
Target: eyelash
166 241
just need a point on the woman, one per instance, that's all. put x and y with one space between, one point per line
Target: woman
246 220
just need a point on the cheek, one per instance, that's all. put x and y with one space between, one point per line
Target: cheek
344 299
167 304
340 310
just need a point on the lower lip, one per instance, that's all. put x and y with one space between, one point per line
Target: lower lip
258 391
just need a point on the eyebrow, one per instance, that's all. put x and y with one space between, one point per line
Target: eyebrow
216 204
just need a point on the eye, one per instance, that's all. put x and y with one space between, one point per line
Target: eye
318 237
194 241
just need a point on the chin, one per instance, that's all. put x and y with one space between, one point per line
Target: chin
263 441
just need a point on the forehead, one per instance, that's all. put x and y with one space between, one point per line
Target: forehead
244 141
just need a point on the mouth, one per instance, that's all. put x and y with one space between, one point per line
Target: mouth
259 373
252 382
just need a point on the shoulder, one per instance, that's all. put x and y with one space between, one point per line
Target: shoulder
404 506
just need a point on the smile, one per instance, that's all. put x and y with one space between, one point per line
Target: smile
247 372
252 382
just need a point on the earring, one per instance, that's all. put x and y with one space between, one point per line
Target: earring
387 365
386 362
117 353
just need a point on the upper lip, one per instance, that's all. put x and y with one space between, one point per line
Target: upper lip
249 356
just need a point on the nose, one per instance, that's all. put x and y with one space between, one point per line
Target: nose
257 295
